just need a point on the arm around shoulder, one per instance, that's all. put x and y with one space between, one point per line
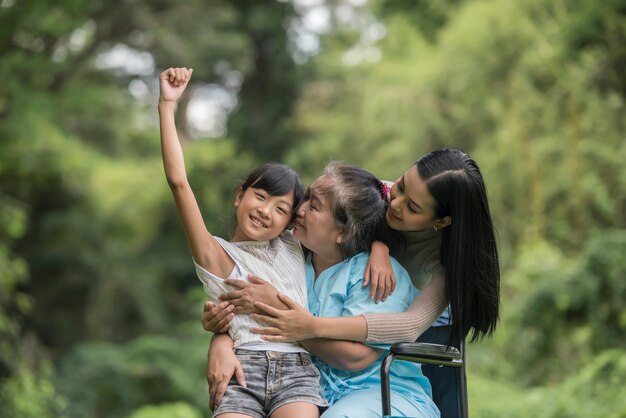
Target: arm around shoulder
407 326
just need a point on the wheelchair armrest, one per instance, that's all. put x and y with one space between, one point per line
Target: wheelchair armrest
427 353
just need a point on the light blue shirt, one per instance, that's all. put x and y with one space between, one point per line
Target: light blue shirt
339 291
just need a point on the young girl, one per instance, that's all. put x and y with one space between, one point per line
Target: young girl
281 380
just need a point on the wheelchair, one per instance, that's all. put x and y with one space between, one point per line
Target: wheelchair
442 365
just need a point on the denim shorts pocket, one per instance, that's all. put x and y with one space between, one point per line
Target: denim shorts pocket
307 370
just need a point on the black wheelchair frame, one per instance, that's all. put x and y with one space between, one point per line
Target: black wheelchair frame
441 364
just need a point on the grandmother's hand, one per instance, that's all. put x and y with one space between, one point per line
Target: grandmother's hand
294 324
215 318
255 289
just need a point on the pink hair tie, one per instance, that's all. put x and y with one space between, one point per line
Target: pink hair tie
385 191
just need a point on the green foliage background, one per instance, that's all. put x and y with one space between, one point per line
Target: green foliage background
99 305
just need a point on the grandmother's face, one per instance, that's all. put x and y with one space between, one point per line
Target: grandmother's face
315 225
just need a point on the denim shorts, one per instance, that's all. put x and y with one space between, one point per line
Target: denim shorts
273 379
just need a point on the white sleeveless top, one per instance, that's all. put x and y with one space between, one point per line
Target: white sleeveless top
280 262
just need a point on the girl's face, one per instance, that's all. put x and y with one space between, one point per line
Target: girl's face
261 216
315 224
412 207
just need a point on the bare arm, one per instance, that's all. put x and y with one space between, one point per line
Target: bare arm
343 355
205 249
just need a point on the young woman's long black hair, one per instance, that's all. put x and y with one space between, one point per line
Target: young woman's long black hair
468 246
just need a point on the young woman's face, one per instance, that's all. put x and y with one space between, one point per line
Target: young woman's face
261 216
412 207
315 224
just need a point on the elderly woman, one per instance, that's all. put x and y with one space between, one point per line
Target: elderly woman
343 214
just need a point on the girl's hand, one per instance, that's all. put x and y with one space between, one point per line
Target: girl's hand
215 318
255 289
173 82
222 365
379 272
294 324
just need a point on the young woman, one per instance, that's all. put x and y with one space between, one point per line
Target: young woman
265 205
344 212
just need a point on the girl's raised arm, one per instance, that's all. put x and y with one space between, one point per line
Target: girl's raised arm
204 247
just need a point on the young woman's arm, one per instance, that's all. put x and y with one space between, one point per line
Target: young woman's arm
408 325
204 248
297 324
379 272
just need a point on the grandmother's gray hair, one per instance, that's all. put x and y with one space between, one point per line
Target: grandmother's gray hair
357 206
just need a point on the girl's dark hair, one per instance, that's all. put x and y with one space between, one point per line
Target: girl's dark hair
468 247
357 205
277 180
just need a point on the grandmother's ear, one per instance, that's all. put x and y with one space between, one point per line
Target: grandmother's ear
339 239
